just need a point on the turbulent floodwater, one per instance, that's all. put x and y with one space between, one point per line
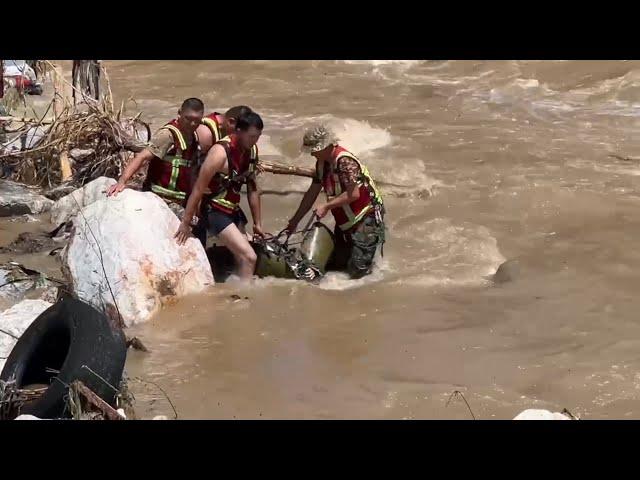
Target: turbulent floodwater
489 161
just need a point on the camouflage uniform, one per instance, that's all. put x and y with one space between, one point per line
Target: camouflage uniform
354 250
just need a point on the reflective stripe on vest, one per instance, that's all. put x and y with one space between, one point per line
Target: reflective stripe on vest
353 219
178 134
213 126
221 199
177 162
167 193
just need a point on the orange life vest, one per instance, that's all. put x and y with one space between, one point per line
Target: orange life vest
170 176
348 216
241 164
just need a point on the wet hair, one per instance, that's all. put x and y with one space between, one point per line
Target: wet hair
237 111
251 119
194 104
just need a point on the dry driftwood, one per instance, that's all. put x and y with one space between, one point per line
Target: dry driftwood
9 118
98 129
95 401
400 191
281 169
93 125
13 399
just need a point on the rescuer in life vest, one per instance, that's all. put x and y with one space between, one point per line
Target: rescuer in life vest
230 163
171 154
216 126
352 198
174 153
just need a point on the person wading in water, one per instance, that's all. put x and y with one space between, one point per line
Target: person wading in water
352 198
230 163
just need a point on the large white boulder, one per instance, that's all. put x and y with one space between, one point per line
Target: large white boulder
536 414
14 321
131 237
18 199
69 205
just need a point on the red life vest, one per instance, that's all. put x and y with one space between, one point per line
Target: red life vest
170 177
351 214
241 164
214 125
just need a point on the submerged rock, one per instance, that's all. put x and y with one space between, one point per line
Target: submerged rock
507 272
125 245
31 242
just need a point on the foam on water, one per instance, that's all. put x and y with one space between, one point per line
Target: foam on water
412 178
332 280
341 281
377 63
357 136
266 146
372 144
610 97
620 168
518 90
387 70
445 253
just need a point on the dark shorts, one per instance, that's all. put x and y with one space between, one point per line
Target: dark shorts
217 220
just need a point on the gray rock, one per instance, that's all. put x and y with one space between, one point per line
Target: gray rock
18 199
507 272
80 154
30 242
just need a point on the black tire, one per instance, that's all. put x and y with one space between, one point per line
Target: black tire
67 336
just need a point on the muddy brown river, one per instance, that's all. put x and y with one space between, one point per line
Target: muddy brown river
489 161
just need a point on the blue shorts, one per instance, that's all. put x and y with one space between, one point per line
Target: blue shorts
217 220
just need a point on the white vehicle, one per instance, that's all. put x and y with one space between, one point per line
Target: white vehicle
20 75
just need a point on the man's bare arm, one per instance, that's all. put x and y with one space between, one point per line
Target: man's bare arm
305 205
253 197
214 162
138 161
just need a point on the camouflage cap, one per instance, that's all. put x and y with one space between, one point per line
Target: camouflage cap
318 138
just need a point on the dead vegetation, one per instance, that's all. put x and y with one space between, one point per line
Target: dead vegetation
80 143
